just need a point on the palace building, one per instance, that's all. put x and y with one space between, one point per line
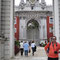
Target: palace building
32 21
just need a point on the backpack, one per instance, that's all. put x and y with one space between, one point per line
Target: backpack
49 47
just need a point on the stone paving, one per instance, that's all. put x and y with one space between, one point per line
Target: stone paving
39 55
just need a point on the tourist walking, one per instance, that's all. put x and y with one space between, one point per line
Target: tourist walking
52 53
21 48
45 42
33 46
29 46
26 48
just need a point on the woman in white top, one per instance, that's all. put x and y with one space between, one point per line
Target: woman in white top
33 45
21 48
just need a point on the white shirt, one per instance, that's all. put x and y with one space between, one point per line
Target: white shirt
33 45
21 45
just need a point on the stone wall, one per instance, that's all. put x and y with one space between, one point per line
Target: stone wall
0 16
39 16
7 26
59 18
0 50
0 29
5 22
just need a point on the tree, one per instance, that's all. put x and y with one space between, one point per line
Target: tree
33 25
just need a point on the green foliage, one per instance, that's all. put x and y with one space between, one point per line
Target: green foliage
33 26
43 45
17 43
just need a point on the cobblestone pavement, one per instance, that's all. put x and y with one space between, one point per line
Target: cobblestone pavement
39 55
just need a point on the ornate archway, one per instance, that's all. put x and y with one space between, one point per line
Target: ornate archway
32 30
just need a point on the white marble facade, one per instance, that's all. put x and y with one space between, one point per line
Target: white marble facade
57 19
42 28
33 10
26 12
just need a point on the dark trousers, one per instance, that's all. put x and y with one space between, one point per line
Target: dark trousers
52 58
26 52
21 49
33 50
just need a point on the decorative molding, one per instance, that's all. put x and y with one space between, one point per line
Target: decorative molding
32 1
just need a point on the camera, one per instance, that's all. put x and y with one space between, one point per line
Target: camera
55 52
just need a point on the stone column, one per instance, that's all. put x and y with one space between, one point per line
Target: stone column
11 28
0 49
44 28
0 16
7 27
22 29
56 19
41 30
0 29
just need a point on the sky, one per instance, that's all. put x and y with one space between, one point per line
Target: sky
48 2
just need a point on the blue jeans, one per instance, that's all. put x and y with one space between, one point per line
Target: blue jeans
26 52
